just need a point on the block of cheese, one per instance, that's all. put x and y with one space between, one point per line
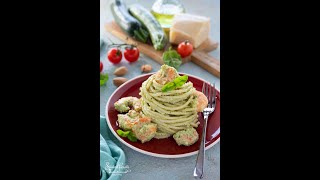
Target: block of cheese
189 27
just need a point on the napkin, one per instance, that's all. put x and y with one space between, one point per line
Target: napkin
112 157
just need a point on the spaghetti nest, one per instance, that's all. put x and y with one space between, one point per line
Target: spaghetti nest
172 111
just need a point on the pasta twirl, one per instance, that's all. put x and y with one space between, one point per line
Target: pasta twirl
172 111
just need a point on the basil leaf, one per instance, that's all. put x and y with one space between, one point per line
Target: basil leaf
177 82
168 87
123 133
132 137
172 58
103 79
127 134
120 132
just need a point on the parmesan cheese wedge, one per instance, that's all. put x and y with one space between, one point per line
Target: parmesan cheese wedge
189 27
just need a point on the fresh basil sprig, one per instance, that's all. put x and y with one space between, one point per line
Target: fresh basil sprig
172 58
177 82
103 79
127 134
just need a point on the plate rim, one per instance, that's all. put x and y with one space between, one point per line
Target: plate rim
147 152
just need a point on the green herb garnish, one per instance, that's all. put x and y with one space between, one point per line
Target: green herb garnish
132 137
177 82
172 58
103 79
127 134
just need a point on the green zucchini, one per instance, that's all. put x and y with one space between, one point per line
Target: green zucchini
157 35
127 23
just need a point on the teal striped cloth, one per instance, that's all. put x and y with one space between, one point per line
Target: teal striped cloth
112 157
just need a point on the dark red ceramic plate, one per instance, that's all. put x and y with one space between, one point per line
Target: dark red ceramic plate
165 148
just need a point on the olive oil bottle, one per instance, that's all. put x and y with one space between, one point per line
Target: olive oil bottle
164 11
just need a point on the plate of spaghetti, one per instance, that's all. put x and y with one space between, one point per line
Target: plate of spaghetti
159 114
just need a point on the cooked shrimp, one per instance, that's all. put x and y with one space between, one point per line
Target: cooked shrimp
166 74
186 137
144 130
127 121
133 114
124 104
171 74
202 101
144 119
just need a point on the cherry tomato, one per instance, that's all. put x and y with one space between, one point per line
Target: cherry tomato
185 49
101 66
131 54
115 55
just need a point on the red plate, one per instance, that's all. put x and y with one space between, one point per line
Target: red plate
165 148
